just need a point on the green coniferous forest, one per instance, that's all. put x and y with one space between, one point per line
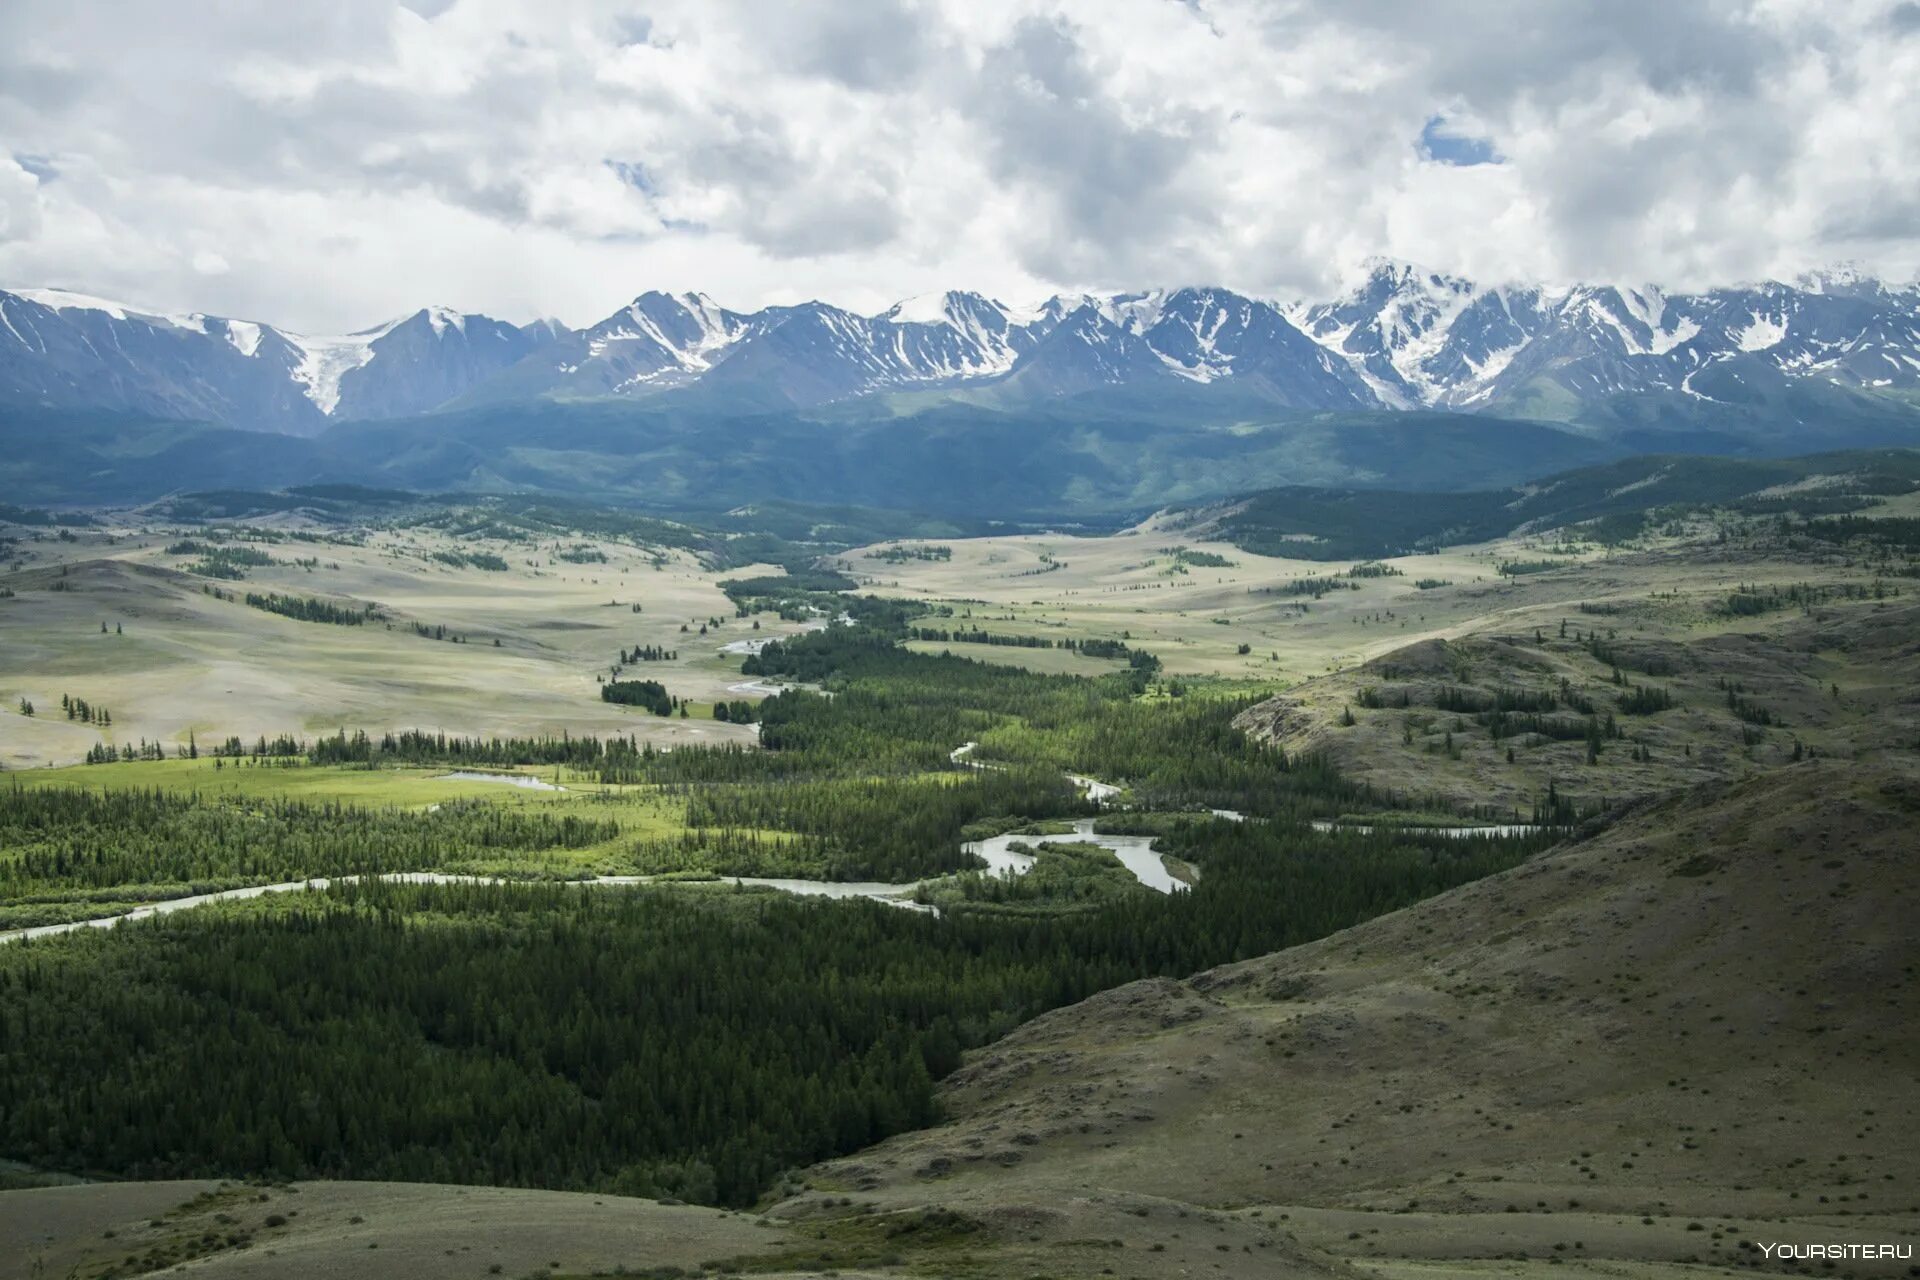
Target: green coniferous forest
67 848
687 1039
682 1040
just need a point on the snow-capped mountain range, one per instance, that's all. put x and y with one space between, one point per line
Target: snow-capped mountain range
1403 338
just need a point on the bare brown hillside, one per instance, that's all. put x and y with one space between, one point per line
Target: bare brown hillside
1699 1028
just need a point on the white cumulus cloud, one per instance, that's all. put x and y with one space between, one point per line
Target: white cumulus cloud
325 165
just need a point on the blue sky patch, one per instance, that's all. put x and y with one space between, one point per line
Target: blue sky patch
39 166
634 175
1439 142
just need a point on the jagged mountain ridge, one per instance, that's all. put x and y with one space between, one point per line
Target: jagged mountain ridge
66 350
1403 338
1422 338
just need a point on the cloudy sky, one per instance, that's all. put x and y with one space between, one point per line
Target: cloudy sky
327 163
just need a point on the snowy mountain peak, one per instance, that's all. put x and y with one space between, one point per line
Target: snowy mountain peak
661 336
444 318
1400 275
64 300
1134 312
1401 336
68 300
1391 326
925 308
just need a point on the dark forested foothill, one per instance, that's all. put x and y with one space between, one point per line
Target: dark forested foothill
686 1041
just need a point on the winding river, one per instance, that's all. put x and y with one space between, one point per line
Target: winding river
1136 853
892 894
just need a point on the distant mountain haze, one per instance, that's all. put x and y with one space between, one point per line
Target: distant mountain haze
1405 338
